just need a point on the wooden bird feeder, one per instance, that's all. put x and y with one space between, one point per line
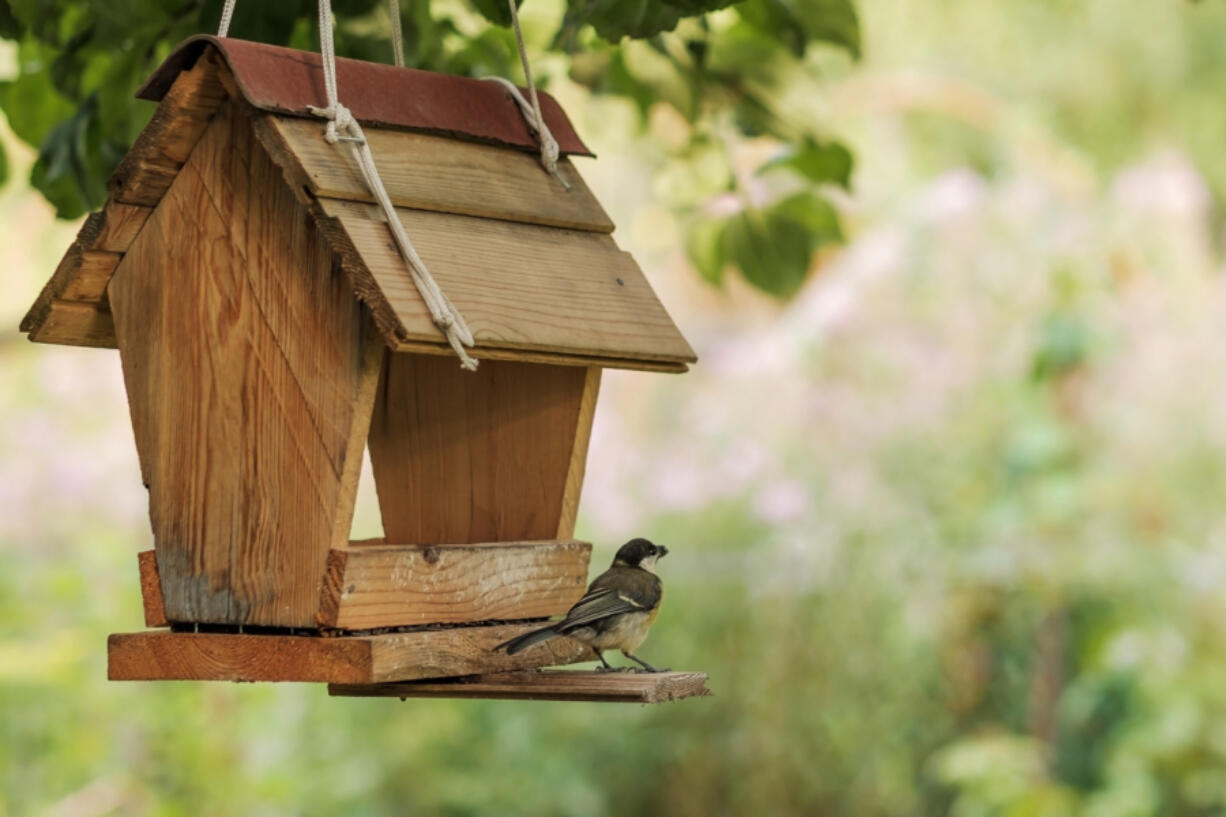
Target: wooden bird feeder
269 330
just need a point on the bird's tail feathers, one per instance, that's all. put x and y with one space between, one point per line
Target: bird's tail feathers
522 642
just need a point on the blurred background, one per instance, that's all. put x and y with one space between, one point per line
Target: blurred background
946 516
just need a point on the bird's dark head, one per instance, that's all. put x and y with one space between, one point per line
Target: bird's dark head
639 553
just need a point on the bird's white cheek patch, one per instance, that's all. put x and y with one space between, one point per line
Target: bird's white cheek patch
649 563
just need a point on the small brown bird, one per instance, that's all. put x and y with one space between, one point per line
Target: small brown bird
615 612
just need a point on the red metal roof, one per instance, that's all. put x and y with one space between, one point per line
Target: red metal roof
286 81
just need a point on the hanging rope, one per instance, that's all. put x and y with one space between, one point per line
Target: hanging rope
393 11
531 111
342 127
227 11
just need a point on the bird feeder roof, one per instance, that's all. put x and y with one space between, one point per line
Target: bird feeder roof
531 266
286 81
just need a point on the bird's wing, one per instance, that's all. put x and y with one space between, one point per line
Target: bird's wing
597 604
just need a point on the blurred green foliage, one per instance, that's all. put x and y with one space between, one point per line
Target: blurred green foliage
946 531
79 63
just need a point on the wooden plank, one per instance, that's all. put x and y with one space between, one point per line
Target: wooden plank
578 454
470 457
75 324
243 354
121 224
92 276
162 655
370 368
547 358
545 685
369 587
151 590
448 175
518 286
153 162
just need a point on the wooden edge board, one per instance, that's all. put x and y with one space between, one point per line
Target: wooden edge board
376 586
73 323
151 590
163 655
545 685
533 356
577 466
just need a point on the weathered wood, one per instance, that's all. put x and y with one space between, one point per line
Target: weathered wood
518 286
243 353
578 454
75 324
155 159
92 276
545 685
121 223
369 587
151 590
82 276
162 655
449 175
469 457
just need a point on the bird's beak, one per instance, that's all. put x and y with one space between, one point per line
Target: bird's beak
663 551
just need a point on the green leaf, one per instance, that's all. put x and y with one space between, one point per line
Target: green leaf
705 247
815 214
497 12
693 8
1064 344
32 106
4 166
831 21
771 250
615 19
10 29
819 162
796 23
69 167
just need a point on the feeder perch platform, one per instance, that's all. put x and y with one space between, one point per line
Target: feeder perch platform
545 685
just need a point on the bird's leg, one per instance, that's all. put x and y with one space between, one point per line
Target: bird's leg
606 666
643 663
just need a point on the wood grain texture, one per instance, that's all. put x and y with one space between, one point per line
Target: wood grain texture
92 276
548 358
370 367
120 226
578 454
373 586
75 324
82 276
151 590
519 286
162 655
154 160
469 457
243 352
436 173
545 685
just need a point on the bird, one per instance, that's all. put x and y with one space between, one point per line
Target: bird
615 612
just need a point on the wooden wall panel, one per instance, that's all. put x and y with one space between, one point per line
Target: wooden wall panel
246 357
468 457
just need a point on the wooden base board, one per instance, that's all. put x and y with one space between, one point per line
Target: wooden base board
162 655
553 685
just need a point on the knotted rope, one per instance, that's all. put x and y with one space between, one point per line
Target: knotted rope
342 127
531 111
